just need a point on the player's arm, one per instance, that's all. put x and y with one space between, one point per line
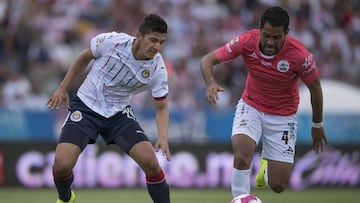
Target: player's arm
316 100
207 69
75 69
317 131
162 122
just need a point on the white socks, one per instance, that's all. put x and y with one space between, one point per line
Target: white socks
240 182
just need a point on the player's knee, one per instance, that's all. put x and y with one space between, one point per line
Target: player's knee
277 187
150 167
61 167
241 161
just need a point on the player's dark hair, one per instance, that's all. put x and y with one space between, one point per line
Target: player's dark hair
153 23
276 16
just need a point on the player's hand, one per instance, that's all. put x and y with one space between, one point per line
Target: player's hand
319 139
164 146
212 93
57 98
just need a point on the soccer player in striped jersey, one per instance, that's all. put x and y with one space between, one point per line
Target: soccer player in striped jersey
121 66
276 62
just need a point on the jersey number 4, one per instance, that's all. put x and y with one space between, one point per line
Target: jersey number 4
285 137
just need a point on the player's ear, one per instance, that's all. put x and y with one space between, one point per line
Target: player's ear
138 35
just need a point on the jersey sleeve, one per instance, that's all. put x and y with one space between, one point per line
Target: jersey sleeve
307 68
230 50
160 88
100 43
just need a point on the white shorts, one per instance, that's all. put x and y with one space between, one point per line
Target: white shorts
278 133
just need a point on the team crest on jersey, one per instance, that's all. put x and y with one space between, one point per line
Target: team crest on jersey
76 116
145 73
283 66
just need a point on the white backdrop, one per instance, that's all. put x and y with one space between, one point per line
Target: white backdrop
338 98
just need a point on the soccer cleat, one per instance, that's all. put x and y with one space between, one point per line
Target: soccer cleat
71 200
260 177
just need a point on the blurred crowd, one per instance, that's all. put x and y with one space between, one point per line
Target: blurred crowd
39 39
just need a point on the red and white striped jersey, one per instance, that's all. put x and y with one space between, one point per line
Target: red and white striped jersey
115 75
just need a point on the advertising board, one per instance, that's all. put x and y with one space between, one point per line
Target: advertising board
192 165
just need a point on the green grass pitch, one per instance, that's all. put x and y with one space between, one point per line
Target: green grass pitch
121 195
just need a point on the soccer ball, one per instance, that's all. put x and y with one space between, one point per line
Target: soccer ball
246 198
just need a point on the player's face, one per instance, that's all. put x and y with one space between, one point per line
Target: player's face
150 44
271 39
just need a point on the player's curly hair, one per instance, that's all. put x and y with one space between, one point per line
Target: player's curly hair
153 23
276 16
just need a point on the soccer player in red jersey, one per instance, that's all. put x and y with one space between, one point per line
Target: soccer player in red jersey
276 62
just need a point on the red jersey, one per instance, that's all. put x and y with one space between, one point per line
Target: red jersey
272 81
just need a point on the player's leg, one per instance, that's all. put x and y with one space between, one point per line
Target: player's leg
65 157
143 153
275 174
126 132
278 175
72 141
80 128
138 147
278 149
243 149
246 133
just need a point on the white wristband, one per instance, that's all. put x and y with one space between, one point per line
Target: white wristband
317 125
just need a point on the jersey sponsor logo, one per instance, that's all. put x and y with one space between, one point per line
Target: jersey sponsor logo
128 111
234 41
140 132
292 131
308 64
76 116
265 63
253 55
289 151
99 40
283 66
308 61
231 43
228 49
244 123
145 73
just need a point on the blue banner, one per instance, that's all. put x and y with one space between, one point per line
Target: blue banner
26 125
215 126
211 125
340 128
